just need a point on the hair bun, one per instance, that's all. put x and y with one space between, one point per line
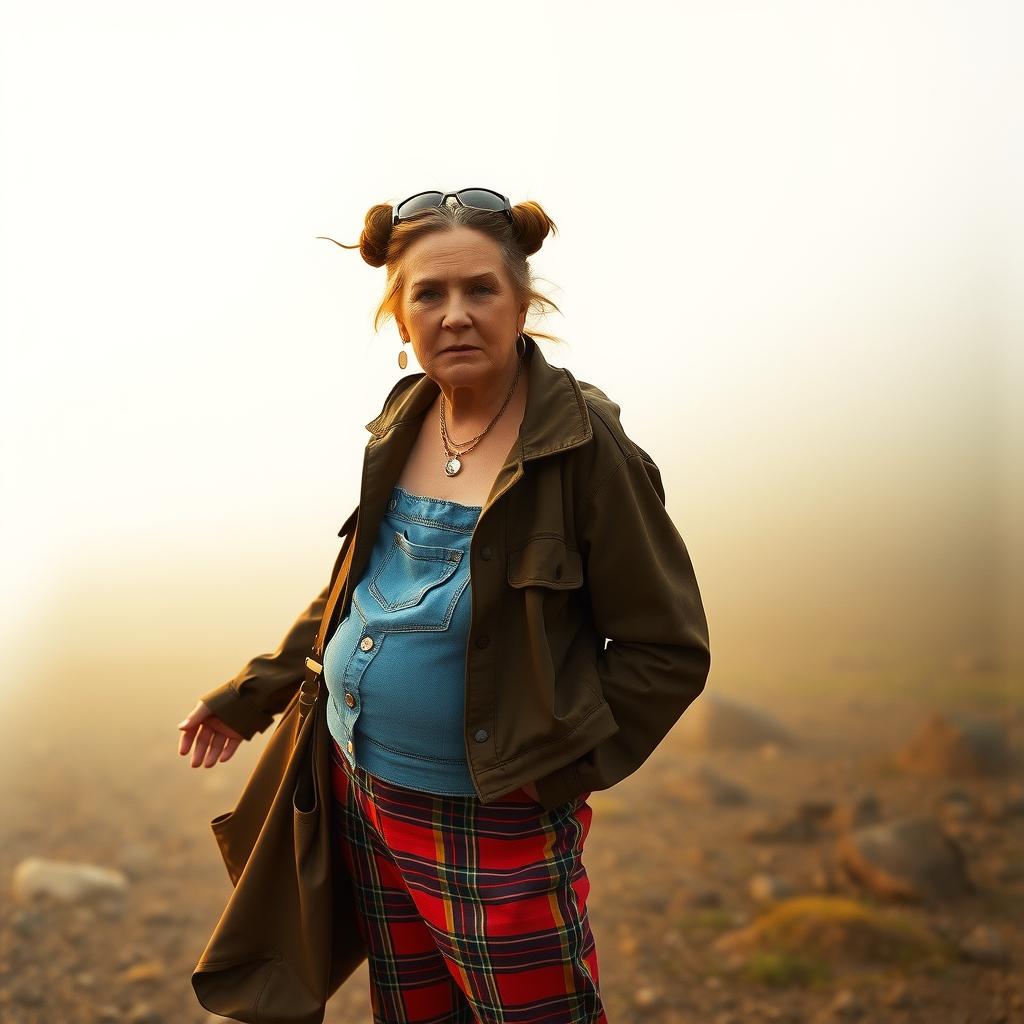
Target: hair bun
532 225
376 235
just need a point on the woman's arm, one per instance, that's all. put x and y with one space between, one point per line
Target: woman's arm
644 598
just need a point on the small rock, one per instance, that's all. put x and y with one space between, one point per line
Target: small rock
816 810
148 971
898 996
700 896
160 913
1005 870
646 998
957 805
864 810
26 922
825 876
985 945
764 828
29 994
765 888
846 1006
142 1013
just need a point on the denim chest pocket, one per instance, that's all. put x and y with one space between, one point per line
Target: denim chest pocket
411 583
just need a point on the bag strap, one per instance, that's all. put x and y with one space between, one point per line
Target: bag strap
310 688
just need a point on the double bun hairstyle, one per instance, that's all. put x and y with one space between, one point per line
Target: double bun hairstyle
384 244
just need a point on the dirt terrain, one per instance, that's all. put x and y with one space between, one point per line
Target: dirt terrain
729 880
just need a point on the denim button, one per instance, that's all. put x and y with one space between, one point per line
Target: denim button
483 640
393 504
349 699
480 735
366 643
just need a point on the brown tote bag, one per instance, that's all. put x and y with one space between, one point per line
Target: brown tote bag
274 957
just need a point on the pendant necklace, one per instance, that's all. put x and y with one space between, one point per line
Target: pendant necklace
454 463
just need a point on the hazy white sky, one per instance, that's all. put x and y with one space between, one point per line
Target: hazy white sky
788 235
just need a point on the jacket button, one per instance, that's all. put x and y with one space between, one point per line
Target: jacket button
349 699
558 571
393 504
480 735
351 748
366 643
485 552
483 640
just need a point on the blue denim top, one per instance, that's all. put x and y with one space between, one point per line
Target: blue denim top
395 666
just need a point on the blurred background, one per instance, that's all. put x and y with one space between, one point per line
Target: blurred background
789 246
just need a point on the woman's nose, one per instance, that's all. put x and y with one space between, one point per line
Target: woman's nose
455 314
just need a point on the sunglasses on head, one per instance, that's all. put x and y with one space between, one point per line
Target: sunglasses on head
474 198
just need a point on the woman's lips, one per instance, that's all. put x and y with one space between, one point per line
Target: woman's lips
461 348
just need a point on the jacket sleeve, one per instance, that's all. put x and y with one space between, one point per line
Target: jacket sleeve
268 682
644 598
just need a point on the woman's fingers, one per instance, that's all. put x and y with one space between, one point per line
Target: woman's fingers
230 746
188 734
203 737
213 739
214 750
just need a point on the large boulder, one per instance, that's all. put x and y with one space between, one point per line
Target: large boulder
910 859
955 744
717 723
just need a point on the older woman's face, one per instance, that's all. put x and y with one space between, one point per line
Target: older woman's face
458 308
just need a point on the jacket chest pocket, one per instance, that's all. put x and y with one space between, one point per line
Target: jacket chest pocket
545 560
416 583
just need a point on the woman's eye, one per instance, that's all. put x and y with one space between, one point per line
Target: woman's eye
485 288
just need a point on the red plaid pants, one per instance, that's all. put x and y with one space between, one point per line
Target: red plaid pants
469 911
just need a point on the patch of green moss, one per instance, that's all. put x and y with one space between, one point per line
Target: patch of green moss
706 919
781 968
838 930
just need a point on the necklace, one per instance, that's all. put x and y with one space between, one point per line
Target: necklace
454 463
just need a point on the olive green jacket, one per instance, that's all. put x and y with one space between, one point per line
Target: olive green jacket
573 547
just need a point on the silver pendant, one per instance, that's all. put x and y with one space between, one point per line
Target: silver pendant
452 466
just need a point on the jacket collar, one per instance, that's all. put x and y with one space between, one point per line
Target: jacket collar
556 416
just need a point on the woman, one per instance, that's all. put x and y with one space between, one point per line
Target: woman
471 716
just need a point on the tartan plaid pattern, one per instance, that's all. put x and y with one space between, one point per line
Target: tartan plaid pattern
469 911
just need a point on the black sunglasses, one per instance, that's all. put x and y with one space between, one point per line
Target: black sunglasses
474 198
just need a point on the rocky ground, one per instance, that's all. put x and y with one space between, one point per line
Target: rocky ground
833 855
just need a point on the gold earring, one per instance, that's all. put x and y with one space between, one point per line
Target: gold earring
403 359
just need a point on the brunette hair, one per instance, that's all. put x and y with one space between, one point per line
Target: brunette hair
383 244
